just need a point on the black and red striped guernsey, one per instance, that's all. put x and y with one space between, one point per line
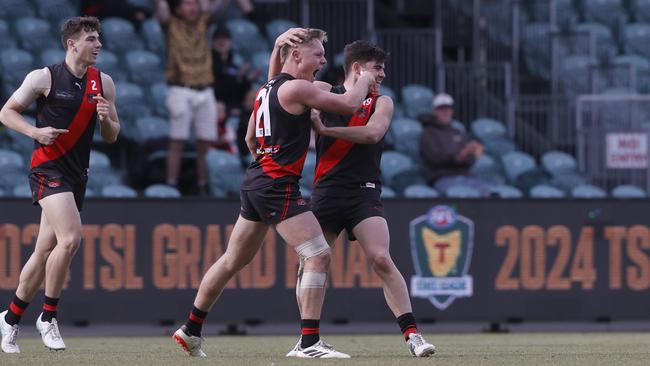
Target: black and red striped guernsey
343 166
69 105
282 139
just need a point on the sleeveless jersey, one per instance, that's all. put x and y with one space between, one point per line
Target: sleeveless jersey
282 139
342 167
69 105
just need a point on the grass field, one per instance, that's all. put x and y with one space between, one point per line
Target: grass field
458 349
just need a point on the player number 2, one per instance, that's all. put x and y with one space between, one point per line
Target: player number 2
263 115
93 84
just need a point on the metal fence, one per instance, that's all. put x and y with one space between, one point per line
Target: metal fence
481 91
543 123
612 139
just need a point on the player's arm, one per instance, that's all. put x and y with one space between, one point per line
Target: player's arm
251 141
163 13
109 123
292 37
310 95
371 133
36 84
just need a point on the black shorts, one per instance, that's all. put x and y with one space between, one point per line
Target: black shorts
337 213
47 183
273 204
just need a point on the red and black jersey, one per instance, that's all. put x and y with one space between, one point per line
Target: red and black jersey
282 139
343 166
69 105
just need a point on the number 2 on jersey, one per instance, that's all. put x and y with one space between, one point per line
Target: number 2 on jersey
262 114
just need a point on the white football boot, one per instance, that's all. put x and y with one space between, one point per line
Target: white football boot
191 344
418 347
50 334
9 335
319 350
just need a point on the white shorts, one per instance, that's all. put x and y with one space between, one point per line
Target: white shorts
188 106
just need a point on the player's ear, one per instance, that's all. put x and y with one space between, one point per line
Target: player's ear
70 43
356 67
295 53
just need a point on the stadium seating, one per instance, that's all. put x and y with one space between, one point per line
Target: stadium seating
499 146
417 99
461 191
151 129
575 74
158 98
567 182
406 178
55 11
9 180
386 192
10 161
99 162
588 191
394 163
14 9
642 66
225 172
628 191
516 163
246 38
144 67
609 12
154 36
3 193
161 191
16 64
487 129
34 34
276 27
546 191
109 63
52 56
119 191
97 181
640 10
558 163
6 38
406 133
119 35
637 39
606 46
505 191
385 90
22 191
420 191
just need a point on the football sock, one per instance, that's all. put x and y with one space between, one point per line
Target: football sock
16 310
407 324
49 309
310 330
194 323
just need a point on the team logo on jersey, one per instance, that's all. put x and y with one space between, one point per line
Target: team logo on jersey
301 202
54 183
441 247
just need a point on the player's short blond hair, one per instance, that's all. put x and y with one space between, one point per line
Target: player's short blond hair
312 34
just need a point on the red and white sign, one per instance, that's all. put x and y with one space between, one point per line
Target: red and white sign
627 150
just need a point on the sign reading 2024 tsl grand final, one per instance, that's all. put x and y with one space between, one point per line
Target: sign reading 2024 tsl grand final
441 248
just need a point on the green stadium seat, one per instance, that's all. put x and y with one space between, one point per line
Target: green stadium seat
609 12
108 63
119 35
461 191
130 101
276 27
558 163
16 64
151 128
386 192
546 191
628 191
417 99
516 163
119 191
394 163
162 191
154 37
55 11
22 191
158 98
7 39
406 134
420 191
144 67
488 129
637 39
588 191
99 162
52 56
246 38
505 191
14 9
34 34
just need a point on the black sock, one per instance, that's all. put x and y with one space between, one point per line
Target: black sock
310 330
49 309
194 323
15 312
407 324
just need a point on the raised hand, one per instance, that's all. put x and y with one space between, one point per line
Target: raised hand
102 107
292 37
47 135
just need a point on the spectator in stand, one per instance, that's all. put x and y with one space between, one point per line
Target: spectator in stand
190 98
226 137
448 153
231 82
115 8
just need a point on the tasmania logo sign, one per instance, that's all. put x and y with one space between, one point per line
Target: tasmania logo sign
441 248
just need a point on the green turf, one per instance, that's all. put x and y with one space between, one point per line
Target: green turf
465 349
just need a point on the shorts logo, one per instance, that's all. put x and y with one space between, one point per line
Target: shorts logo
301 202
441 247
53 183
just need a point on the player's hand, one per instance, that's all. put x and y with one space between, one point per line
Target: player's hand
102 107
292 37
47 135
316 122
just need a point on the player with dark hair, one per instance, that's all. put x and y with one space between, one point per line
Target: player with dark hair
70 97
347 186
278 138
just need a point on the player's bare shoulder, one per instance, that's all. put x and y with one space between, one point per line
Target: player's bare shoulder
108 86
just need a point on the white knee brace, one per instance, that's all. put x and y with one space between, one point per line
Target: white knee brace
306 250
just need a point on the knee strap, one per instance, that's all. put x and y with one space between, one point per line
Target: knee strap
312 247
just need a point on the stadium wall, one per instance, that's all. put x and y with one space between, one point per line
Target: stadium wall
470 260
